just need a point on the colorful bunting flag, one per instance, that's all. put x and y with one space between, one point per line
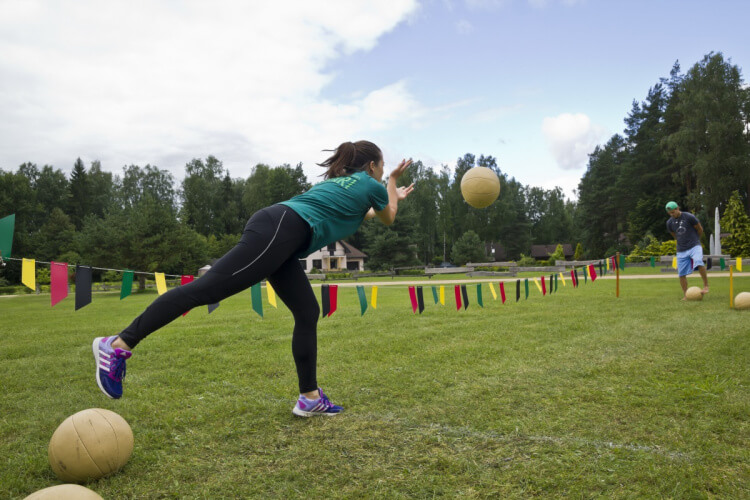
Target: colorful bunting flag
457 291
479 295
555 283
551 283
6 236
465 296
592 272
184 280
739 263
362 299
271 294
161 283
674 262
374 297
573 278
585 274
83 286
518 290
722 263
576 275
607 264
127 284
526 285
334 297
562 278
502 291
709 263
442 295
622 262
28 273
435 294
601 268
325 299
536 282
420 299
257 301
58 274
653 261
492 290
413 299
544 288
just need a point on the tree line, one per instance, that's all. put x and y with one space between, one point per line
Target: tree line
688 141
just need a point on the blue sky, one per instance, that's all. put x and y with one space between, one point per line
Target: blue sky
535 83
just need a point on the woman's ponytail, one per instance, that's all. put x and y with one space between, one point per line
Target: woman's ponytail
350 157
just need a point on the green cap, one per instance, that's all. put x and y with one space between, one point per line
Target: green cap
671 206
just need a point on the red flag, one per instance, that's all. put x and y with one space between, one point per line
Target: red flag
413 297
184 280
544 288
458 297
502 291
334 296
573 278
592 272
58 281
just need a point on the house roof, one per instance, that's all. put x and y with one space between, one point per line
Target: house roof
500 253
351 251
543 251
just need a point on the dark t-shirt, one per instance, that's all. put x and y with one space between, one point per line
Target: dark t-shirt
684 230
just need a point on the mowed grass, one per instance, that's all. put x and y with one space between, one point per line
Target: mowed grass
578 394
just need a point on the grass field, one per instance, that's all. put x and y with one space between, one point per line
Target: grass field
577 394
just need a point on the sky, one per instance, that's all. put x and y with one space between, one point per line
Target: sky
537 84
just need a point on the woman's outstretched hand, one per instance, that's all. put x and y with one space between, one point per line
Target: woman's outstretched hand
403 191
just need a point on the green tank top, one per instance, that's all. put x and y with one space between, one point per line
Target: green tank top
335 208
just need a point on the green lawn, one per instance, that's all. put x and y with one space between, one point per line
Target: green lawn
577 394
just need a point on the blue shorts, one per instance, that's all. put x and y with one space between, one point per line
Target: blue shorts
689 260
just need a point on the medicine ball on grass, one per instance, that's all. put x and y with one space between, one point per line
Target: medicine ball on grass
90 444
64 492
693 293
742 301
480 187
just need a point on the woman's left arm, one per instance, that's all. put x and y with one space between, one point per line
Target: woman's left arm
395 194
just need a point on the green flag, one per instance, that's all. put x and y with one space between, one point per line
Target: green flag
722 263
256 299
6 235
435 294
127 284
479 295
526 284
622 262
362 299
653 261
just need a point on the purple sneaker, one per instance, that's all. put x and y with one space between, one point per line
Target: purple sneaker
110 366
313 407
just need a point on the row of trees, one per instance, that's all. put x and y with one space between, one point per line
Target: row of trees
688 141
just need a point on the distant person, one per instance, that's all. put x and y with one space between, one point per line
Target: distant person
274 240
687 230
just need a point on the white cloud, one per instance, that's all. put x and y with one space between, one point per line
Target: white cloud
164 82
570 138
464 27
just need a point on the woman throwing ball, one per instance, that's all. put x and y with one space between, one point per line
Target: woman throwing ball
274 240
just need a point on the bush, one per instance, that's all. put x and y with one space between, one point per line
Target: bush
338 276
411 272
494 269
526 261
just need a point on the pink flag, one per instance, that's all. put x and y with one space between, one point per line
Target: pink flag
333 295
184 280
413 297
458 298
592 272
502 291
544 288
58 281
573 278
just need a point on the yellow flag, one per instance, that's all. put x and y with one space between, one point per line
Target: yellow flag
28 273
271 294
161 283
607 264
374 299
536 282
442 295
674 263
739 263
562 278
492 289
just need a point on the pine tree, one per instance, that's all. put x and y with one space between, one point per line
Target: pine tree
737 223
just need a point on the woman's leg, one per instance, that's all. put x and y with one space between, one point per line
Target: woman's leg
293 288
271 236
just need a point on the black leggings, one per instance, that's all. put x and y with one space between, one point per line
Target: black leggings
268 249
